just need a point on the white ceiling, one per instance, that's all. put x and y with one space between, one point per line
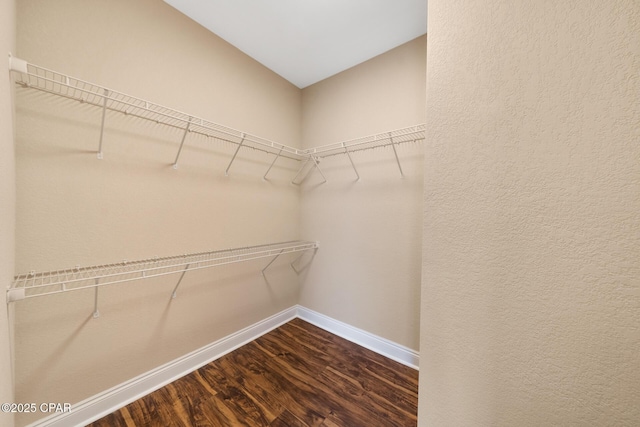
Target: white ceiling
306 41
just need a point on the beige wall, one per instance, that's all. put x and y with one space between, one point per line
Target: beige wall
367 272
74 209
7 205
531 288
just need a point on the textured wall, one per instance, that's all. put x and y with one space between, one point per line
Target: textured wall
74 209
7 204
367 272
531 269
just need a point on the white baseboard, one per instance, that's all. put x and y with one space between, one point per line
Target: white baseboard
382 346
121 395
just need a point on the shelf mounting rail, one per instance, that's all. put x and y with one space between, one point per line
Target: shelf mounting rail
32 284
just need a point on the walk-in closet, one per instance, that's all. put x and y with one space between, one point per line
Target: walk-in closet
176 199
198 231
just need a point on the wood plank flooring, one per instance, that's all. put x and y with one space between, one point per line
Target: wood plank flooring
296 375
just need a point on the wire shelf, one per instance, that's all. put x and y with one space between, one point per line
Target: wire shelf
33 76
395 137
392 138
35 284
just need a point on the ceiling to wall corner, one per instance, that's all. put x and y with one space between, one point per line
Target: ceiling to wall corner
306 41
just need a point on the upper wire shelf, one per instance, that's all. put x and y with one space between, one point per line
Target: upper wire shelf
33 76
35 284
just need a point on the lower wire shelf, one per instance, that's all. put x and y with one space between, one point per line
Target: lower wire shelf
36 284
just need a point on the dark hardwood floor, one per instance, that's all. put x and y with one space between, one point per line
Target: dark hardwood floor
296 375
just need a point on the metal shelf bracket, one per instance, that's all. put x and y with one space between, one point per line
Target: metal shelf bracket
226 172
293 263
272 163
293 181
184 136
315 162
346 151
96 312
104 113
268 265
174 294
304 175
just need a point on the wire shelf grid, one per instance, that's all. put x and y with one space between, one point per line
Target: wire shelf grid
395 137
33 76
49 81
34 284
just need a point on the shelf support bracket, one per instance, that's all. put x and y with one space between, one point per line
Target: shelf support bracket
393 145
173 294
104 113
226 172
184 136
96 312
315 162
346 151
293 181
294 262
270 262
272 163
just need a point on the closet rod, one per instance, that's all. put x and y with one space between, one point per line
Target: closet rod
31 285
53 82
